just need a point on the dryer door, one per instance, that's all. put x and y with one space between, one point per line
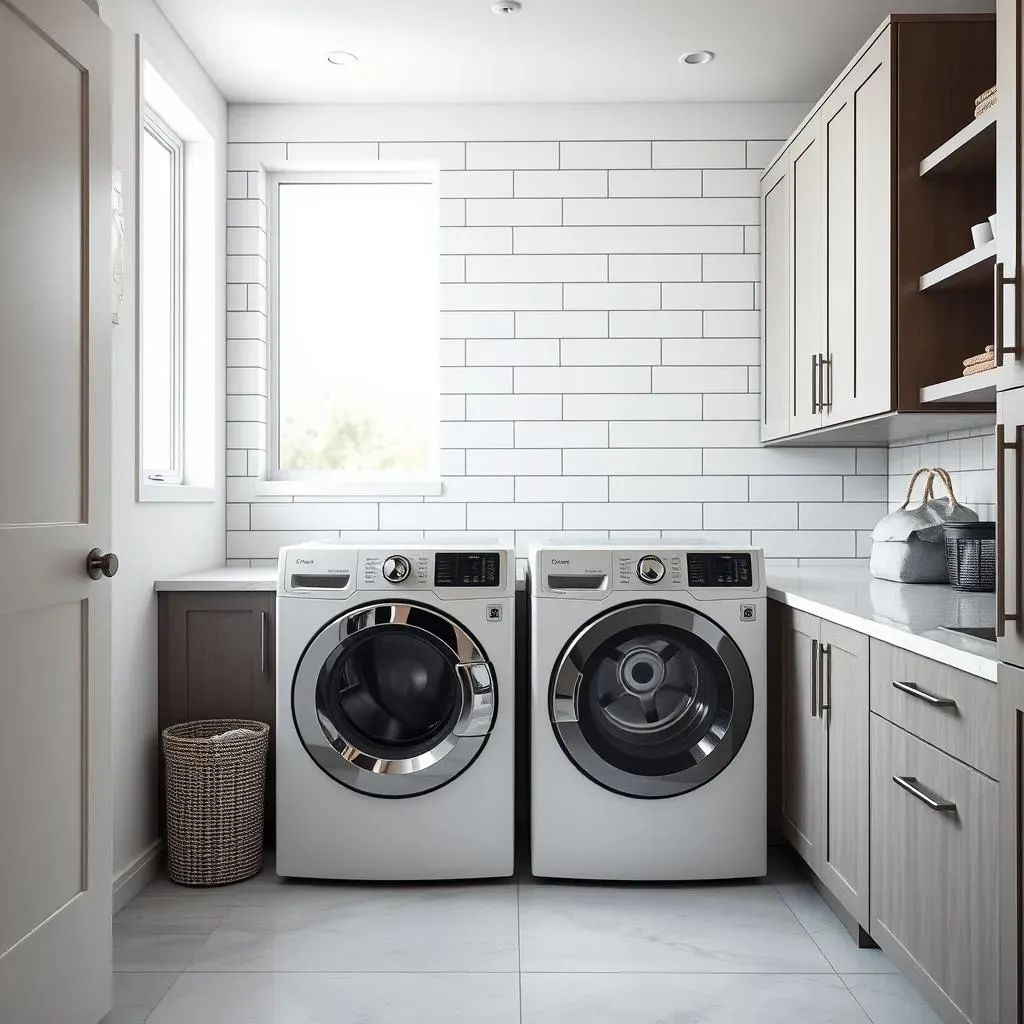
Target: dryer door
394 700
651 700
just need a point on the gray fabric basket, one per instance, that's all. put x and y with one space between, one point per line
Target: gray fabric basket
215 790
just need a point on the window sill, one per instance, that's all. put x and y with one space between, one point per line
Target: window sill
174 493
370 489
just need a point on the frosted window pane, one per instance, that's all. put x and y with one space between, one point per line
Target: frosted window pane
357 380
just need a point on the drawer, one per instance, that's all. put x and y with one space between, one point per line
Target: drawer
957 712
934 871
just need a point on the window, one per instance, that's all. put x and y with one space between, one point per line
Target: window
161 282
354 327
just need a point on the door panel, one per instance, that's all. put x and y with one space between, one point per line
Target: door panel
808 344
871 378
776 352
1010 522
55 846
1011 862
845 853
802 737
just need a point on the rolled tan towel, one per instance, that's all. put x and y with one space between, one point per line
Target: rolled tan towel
979 367
982 107
983 357
987 94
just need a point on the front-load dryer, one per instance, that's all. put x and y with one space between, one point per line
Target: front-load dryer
395 717
648 713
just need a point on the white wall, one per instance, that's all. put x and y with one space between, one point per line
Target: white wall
600 332
152 540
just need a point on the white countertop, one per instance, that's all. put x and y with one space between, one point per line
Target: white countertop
902 614
227 579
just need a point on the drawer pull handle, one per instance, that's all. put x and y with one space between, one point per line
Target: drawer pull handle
263 643
928 698
925 795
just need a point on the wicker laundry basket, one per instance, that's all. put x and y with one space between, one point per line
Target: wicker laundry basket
215 800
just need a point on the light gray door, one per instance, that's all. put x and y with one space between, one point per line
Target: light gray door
55 260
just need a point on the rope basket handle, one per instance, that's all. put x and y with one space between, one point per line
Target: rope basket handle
947 482
928 486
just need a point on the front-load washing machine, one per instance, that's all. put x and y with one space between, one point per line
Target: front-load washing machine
648 713
395 717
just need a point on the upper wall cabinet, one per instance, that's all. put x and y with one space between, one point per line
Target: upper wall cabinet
851 225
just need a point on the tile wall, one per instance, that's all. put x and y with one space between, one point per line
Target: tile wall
600 350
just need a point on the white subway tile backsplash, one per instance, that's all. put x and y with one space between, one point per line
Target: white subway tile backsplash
631 407
761 151
562 434
654 268
513 211
610 351
612 296
600 360
536 268
520 155
559 184
512 352
565 380
659 184
700 154
605 155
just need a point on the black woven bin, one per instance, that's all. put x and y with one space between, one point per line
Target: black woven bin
971 555
215 788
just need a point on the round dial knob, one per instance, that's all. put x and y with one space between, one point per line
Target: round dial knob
650 569
396 568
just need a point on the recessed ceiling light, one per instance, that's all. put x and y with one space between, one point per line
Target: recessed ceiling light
342 57
506 7
697 57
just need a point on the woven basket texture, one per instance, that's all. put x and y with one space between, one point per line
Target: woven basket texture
215 791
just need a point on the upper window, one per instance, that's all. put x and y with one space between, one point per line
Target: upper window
161 283
354 326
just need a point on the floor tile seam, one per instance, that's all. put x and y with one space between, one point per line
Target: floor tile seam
853 996
436 971
808 932
179 975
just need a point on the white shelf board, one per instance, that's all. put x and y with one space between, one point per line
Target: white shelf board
978 387
972 149
969 270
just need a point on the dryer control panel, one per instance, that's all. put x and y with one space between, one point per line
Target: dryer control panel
719 570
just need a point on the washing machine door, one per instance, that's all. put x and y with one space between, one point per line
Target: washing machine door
651 699
394 700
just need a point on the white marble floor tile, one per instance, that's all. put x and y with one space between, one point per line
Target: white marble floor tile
365 928
136 994
714 929
688 999
890 999
341 999
150 946
842 952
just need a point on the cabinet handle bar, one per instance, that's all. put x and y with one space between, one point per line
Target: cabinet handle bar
928 698
925 795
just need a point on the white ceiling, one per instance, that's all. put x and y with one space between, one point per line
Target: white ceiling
457 51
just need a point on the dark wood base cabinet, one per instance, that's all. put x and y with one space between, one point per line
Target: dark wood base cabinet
217 653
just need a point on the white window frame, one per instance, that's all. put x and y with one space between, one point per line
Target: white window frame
173 475
328 482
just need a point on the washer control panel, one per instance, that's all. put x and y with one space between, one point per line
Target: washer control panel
467 569
719 570
396 569
650 569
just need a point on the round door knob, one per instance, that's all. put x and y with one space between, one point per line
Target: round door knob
98 564
650 569
396 569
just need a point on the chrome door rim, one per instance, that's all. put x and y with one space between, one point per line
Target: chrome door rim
367 773
567 681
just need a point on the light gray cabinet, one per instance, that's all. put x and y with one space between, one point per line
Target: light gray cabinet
934 872
824 724
776 274
1011 844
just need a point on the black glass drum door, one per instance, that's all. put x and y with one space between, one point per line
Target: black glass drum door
651 700
394 700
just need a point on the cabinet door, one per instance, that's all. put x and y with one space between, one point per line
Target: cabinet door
807 227
845 702
802 736
776 316
217 657
1010 524
934 871
857 171
1011 790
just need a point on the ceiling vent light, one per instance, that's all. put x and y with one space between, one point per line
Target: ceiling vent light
697 57
342 58
507 7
